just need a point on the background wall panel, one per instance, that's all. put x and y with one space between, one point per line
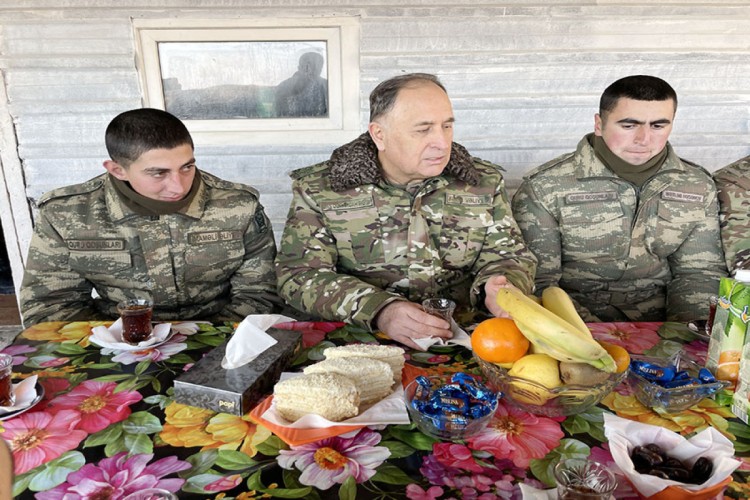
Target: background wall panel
524 76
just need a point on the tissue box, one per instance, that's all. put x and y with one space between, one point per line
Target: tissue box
208 385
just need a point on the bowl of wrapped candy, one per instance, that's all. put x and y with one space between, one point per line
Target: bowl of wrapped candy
671 384
450 408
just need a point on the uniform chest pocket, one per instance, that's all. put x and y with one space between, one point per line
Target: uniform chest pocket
103 267
213 261
462 237
672 225
358 235
594 230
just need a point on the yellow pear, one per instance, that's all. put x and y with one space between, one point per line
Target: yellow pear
539 368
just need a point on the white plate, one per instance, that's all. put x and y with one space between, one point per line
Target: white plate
698 328
32 396
111 338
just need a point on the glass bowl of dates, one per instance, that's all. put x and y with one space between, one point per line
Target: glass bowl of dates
671 384
450 408
567 399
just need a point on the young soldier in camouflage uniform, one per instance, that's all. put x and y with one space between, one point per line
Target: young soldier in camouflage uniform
398 215
152 227
733 187
624 225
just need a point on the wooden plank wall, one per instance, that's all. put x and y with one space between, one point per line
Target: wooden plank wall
524 76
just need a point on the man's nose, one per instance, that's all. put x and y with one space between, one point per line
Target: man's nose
442 138
173 184
642 135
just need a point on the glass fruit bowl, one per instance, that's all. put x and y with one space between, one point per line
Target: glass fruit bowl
675 399
438 426
539 400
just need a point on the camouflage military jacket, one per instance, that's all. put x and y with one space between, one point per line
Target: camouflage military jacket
623 253
214 261
733 188
354 243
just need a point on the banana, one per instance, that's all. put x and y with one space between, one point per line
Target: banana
558 301
552 335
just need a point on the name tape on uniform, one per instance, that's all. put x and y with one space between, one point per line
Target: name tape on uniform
680 196
99 244
213 237
574 198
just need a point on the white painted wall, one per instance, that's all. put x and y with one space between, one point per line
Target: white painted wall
524 76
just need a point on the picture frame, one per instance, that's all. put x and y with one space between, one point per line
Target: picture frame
269 81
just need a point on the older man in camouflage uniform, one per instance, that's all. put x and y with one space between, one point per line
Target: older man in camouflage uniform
733 187
623 224
152 227
399 215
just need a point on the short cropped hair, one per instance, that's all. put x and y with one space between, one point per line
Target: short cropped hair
639 88
384 95
134 132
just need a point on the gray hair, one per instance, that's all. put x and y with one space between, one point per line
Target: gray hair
384 95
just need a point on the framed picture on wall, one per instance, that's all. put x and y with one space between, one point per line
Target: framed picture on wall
273 82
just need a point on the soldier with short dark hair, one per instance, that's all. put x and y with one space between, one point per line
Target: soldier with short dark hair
624 225
153 227
733 187
401 214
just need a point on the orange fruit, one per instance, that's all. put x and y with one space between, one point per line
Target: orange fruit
729 366
618 353
498 340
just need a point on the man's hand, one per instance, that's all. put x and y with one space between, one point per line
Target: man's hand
404 321
491 288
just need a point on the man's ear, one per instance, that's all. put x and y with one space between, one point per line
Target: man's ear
117 170
376 132
598 125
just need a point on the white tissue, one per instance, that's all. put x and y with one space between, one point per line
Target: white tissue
624 435
460 337
250 339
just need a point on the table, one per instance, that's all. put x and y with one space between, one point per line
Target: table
107 426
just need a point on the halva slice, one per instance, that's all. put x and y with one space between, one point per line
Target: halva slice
332 396
391 354
372 377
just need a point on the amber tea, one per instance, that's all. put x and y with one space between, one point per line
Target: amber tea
6 387
136 320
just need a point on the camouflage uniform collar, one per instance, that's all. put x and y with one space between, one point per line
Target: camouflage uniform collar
356 164
120 211
589 166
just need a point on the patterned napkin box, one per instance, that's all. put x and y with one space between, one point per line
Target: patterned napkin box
208 385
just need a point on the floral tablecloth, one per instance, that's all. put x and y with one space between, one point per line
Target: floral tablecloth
108 426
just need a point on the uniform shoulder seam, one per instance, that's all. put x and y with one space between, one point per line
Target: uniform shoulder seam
89 186
309 170
550 164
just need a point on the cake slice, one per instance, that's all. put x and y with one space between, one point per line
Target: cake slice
372 377
391 354
332 396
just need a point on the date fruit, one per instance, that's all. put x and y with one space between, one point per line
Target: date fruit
651 459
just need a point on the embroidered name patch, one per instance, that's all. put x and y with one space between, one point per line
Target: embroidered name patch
468 199
680 196
96 244
574 198
213 237
354 204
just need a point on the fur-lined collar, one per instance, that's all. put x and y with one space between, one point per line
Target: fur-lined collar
356 164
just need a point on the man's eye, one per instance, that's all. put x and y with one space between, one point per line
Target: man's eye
448 126
423 130
188 168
